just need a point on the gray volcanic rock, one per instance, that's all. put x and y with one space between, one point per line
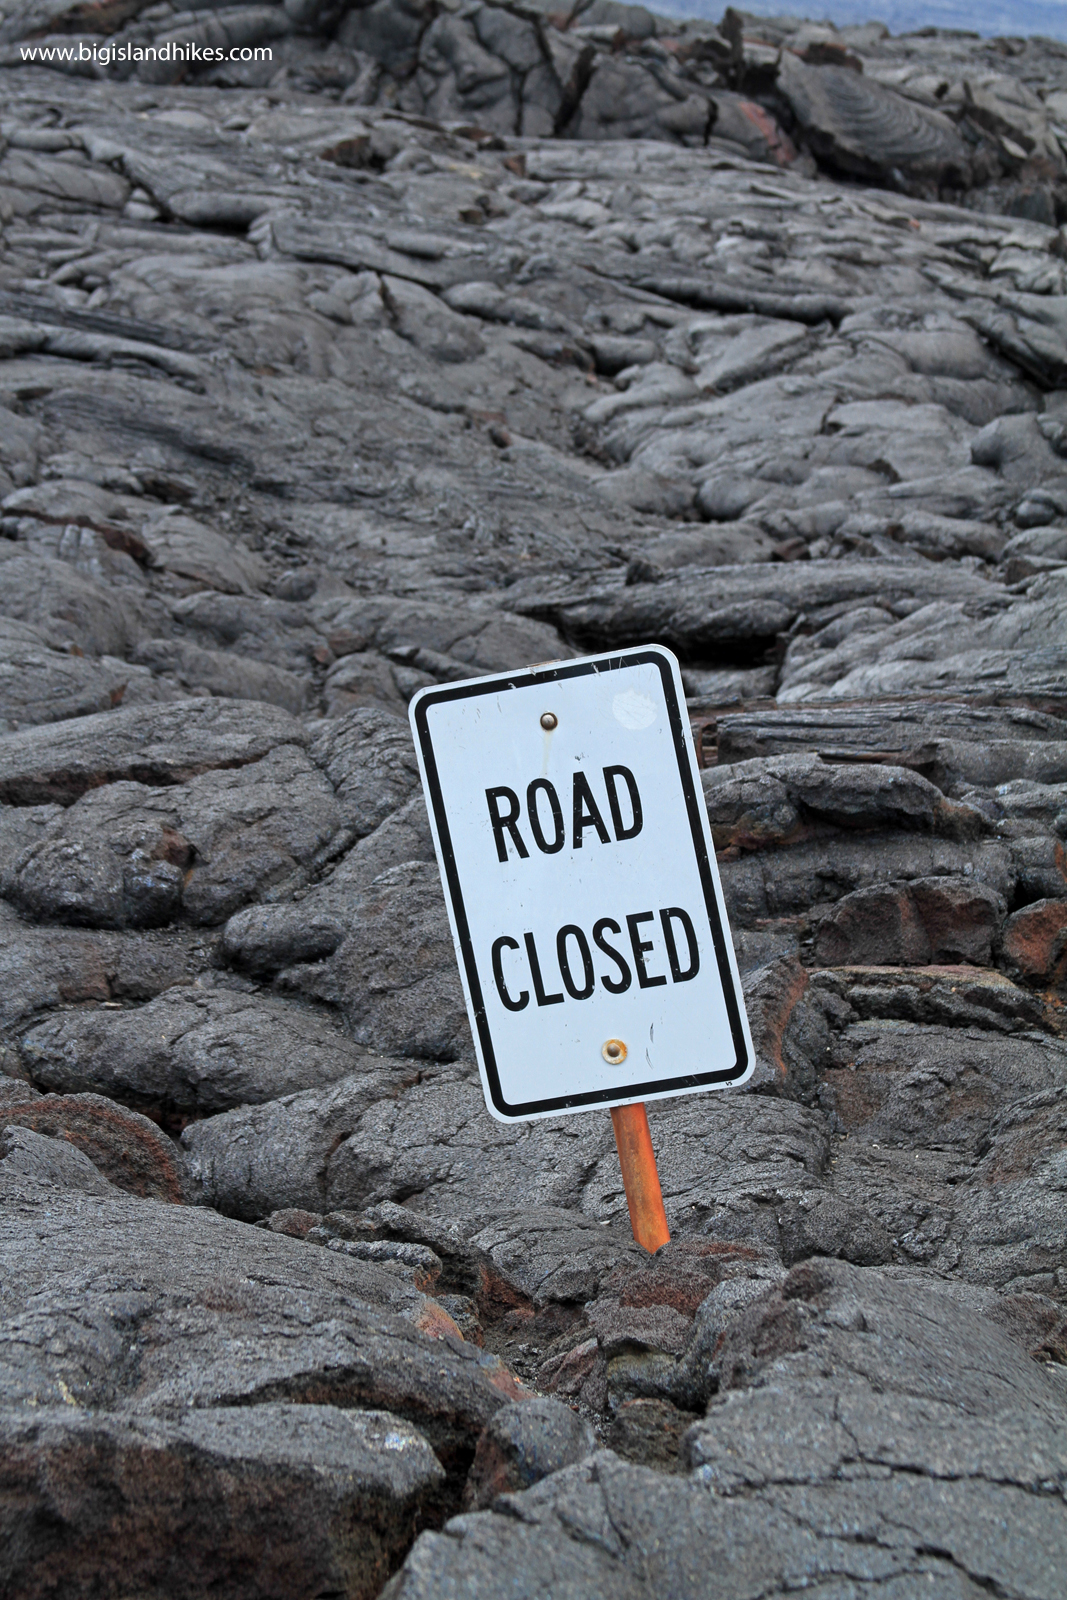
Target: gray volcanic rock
928 922
368 758
1021 650
190 1052
266 938
252 1162
71 611
190 667
329 1150
931 1423
954 742
812 873
388 962
447 640
182 1310
765 800
43 684
150 744
841 1179
46 969
298 1499
736 606
393 977
48 1162
865 129
128 855
552 1254
123 1147
433 343
523 1444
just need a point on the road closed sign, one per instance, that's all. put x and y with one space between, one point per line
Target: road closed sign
581 886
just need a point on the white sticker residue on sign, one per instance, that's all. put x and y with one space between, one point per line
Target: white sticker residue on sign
634 710
581 885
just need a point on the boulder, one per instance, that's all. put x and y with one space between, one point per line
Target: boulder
191 1052
1034 942
524 1443
145 744
48 1163
129 855
922 923
124 1148
859 127
44 969
275 1499
184 1311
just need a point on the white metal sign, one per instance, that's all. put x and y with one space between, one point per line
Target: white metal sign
580 879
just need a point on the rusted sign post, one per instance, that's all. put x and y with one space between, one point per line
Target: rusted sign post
640 1177
585 906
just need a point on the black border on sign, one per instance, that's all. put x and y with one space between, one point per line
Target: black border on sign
552 674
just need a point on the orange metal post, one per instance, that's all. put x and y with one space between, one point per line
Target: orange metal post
639 1176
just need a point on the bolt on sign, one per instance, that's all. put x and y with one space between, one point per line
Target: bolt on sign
581 885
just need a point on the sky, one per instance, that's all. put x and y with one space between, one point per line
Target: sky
1047 17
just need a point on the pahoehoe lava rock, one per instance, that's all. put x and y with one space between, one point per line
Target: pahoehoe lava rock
442 338
786 1470
297 1498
